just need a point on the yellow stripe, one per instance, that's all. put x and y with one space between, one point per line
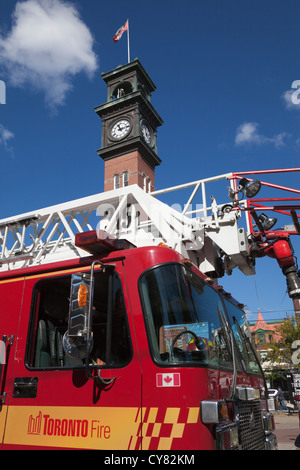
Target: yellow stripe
91 427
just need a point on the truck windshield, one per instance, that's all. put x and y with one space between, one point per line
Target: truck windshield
242 336
184 317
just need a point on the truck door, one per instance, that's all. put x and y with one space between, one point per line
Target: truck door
11 293
59 400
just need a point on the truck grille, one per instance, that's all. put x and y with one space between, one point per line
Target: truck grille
250 425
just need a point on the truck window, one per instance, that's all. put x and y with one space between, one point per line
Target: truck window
242 336
49 322
184 318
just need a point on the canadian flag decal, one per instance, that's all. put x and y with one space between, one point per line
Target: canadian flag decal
168 380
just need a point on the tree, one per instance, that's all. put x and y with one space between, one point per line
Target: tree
281 351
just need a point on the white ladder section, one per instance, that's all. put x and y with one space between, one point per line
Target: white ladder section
48 235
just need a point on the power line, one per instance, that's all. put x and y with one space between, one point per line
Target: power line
259 301
267 312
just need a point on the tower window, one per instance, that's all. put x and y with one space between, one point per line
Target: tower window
123 88
125 178
116 181
146 184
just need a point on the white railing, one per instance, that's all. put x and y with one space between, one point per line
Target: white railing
48 234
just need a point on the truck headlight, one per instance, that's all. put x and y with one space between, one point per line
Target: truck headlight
227 437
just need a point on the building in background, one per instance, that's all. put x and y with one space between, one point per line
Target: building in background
264 333
283 375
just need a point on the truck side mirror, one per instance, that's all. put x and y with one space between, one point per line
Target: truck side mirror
77 341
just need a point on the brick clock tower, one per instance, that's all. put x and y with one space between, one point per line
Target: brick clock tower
129 123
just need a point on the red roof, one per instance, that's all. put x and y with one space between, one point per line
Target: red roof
261 324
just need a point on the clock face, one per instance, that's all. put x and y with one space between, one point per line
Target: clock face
146 133
120 129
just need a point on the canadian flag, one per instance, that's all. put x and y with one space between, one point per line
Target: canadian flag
168 380
120 31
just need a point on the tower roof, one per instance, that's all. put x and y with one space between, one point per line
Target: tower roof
134 66
261 324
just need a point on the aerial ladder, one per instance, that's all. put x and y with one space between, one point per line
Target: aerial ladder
215 237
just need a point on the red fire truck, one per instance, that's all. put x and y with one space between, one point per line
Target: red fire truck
116 335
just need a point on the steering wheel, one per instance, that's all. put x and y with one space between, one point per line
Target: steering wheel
199 342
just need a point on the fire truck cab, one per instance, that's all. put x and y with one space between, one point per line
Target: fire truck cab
97 357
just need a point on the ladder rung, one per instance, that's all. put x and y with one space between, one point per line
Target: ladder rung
14 259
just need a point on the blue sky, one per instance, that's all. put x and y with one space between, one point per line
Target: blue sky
224 72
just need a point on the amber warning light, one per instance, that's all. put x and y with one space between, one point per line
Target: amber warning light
82 295
99 241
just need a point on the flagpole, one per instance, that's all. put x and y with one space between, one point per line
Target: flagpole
128 47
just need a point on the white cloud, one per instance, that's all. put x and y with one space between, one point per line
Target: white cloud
5 136
48 44
287 99
247 133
